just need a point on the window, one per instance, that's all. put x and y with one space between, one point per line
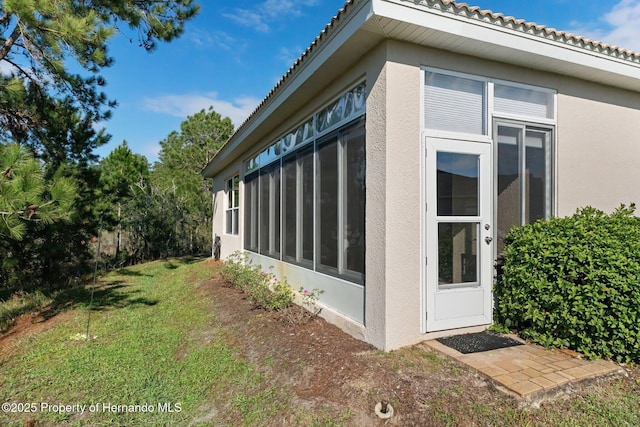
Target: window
304 195
455 104
269 241
354 199
327 212
524 169
297 208
340 212
520 101
233 205
251 212
321 209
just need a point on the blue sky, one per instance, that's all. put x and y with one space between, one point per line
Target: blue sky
233 53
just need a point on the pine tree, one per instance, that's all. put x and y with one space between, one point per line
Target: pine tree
25 196
43 40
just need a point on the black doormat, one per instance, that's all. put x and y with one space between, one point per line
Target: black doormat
478 342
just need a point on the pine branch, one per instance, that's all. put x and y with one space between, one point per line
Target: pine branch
9 42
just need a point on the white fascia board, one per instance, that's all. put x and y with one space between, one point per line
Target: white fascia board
323 51
504 38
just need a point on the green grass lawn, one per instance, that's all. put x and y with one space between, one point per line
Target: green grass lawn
145 352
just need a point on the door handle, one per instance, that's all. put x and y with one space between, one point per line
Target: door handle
488 240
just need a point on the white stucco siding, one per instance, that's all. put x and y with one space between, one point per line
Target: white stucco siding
598 152
403 226
376 203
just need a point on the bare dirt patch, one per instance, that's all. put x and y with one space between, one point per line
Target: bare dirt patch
329 371
29 324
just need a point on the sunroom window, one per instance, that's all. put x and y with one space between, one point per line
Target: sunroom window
455 104
340 194
524 170
304 194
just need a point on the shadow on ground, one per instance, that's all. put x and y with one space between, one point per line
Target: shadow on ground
105 297
107 294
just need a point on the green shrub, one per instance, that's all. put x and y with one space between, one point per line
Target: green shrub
574 282
263 290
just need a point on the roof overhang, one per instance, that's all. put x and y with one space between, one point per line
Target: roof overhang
483 34
440 24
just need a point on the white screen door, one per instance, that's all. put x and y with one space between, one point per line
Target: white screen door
459 234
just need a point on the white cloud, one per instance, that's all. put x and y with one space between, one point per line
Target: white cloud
217 39
261 16
182 106
620 26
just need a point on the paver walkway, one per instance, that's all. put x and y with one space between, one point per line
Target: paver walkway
530 372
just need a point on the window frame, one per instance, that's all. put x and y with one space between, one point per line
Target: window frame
296 160
232 205
341 270
492 118
297 156
486 131
490 114
550 167
272 175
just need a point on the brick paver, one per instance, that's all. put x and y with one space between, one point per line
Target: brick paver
531 372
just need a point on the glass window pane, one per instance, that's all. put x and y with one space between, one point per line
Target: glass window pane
275 197
509 183
236 191
457 253
306 162
250 212
458 184
236 213
265 186
454 103
523 101
289 204
327 213
535 175
354 203
229 225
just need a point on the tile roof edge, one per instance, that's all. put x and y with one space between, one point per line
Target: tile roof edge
521 25
472 12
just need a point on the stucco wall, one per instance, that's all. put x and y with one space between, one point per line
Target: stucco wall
598 150
403 226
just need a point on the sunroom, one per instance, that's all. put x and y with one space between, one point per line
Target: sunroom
386 167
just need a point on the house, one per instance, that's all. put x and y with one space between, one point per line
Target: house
387 165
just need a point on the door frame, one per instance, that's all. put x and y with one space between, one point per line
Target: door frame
430 286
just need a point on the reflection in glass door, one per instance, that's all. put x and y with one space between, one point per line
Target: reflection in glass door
457 183
523 176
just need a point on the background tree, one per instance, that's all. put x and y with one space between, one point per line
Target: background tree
182 157
26 200
43 39
51 55
24 195
122 172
